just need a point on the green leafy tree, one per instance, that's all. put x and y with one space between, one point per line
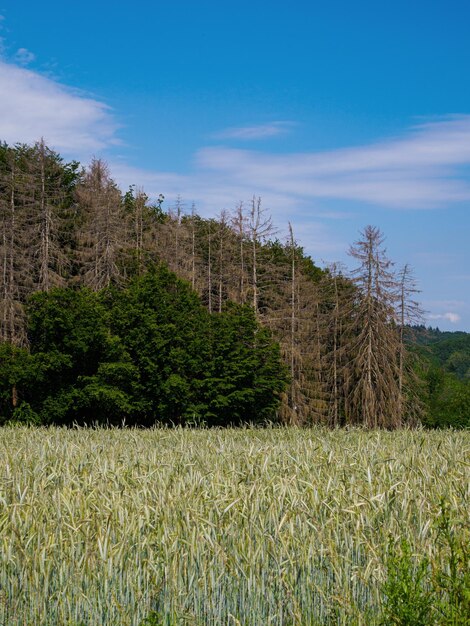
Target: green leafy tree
245 372
448 400
17 373
84 374
195 366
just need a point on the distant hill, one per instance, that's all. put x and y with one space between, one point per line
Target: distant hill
449 350
445 370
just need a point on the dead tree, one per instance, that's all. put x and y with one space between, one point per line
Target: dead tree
46 195
239 227
103 229
14 247
408 313
259 228
374 393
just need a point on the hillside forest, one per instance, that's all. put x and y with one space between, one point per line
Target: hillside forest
115 309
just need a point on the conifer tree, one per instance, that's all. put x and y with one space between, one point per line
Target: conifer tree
176 220
210 236
103 229
289 306
337 304
45 174
223 235
239 226
259 228
373 397
408 313
141 241
14 249
192 229
140 205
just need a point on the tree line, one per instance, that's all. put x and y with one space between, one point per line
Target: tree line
79 257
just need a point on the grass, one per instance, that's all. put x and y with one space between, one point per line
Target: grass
248 527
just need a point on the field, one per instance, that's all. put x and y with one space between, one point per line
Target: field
248 527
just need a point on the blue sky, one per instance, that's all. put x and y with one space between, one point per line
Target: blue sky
339 114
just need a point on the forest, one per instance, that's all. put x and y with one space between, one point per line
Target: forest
115 309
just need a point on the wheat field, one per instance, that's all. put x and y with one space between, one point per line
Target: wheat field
252 527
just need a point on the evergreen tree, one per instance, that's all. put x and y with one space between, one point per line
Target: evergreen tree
290 309
49 186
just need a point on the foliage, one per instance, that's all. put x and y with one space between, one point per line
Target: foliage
17 372
418 592
245 377
84 374
408 600
446 391
450 403
446 398
147 353
453 579
450 350
194 366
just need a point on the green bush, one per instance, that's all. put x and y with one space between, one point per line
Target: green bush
408 597
417 594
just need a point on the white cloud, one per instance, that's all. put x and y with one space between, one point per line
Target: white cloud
419 170
261 131
24 56
453 318
34 106
211 194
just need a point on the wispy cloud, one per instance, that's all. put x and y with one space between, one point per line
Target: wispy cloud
34 106
23 56
425 167
418 170
260 131
453 318
211 194
421 169
445 304
446 310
